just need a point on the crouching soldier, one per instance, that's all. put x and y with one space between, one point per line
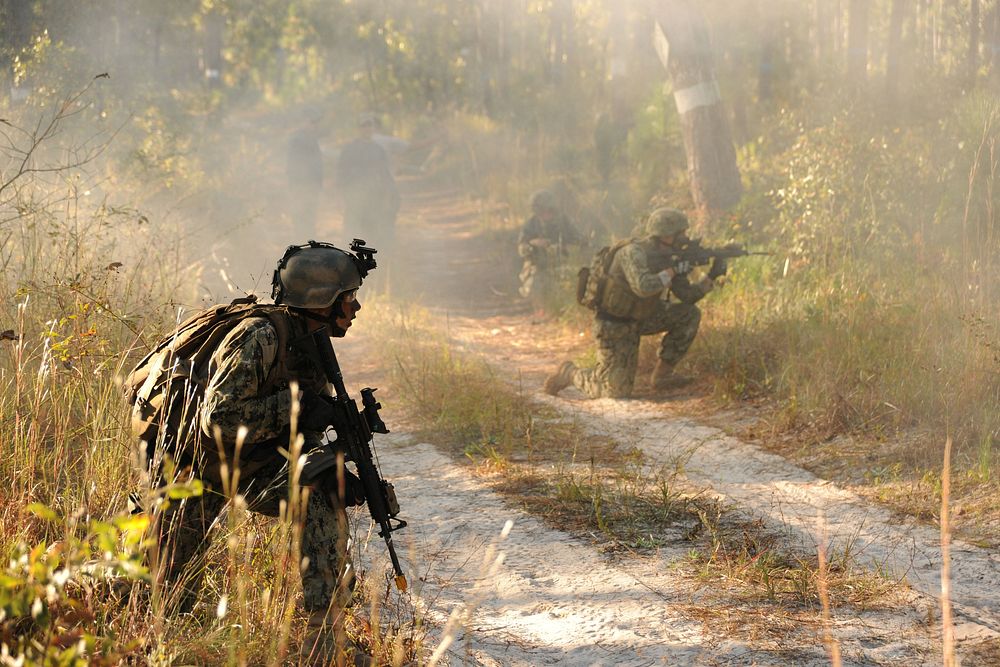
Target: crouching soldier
231 389
641 297
542 244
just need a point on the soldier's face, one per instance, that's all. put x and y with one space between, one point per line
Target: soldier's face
349 307
673 240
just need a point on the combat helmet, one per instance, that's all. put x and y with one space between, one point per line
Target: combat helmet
543 200
314 274
666 222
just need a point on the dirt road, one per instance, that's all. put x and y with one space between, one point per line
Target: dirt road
533 595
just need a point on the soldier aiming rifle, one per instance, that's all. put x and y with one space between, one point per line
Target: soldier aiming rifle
637 287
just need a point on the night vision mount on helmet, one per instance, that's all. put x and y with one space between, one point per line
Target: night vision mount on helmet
314 274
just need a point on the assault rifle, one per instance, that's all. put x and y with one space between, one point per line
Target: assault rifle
354 435
695 254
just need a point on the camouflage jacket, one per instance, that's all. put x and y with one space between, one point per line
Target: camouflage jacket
238 370
632 264
558 231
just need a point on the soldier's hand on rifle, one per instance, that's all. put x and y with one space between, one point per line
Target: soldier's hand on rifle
354 490
682 267
316 412
718 268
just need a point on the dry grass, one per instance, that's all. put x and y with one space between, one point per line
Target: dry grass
84 289
607 493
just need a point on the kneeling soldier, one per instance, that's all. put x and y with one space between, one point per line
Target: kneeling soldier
640 299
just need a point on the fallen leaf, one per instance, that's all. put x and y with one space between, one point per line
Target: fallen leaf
113 266
9 335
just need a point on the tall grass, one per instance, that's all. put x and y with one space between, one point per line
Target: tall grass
876 313
86 286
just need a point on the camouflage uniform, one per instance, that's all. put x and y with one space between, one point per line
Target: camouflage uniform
537 275
239 368
618 338
371 197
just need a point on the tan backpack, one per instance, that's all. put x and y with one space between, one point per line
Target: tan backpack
592 281
166 389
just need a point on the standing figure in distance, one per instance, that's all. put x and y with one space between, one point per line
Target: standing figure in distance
304 172
541 244
371 199
642 297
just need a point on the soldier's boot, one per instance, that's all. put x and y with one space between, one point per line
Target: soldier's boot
326 643
559 380
663 377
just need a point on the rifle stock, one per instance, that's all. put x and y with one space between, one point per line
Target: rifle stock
354 434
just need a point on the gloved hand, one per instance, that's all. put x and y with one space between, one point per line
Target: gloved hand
682 267
354 490
316 412
718 268
666 276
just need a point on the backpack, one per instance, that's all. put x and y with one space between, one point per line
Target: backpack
165 390
591 281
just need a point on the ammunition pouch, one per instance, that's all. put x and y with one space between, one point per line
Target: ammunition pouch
620 302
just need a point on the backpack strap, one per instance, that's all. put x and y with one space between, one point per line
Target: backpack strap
612 251
278 317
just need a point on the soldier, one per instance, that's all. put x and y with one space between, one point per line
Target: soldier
371 198
304 172
542 241
249 385
638 300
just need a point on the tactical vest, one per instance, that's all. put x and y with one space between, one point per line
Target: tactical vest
608 294
167 388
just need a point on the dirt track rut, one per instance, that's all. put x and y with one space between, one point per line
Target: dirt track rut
555 599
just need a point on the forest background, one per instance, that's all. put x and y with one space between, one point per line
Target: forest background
865 134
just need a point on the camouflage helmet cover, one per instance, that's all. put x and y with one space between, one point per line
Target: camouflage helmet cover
314 275
544 200
666 222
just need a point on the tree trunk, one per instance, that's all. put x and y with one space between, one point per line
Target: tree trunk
766 63
824 31
838 27
857 42
16 18
711 158
894 49
993 42
973 42
215 24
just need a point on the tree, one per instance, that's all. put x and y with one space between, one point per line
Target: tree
16 16
711 158
857 42
974 12
894 48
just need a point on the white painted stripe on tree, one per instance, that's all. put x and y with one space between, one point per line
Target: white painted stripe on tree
661 45
703 94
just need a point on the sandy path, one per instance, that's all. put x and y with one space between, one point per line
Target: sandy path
555 599
794 500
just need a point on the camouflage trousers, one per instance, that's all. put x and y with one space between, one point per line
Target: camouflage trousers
186 529
618 348
537 282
